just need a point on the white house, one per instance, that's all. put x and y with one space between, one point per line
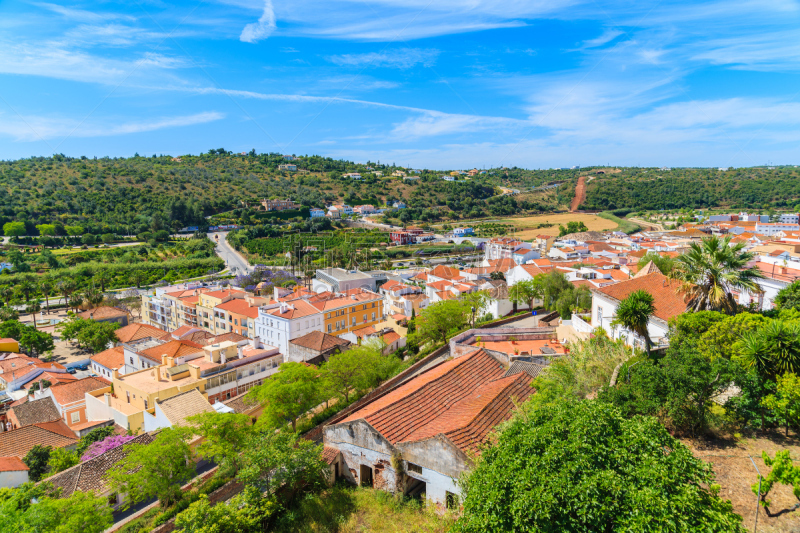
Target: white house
778 273
769 229
280 322
668 303
174 411
13 472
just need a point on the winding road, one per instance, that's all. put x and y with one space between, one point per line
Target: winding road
233 259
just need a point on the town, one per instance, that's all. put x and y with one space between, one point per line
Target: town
467 344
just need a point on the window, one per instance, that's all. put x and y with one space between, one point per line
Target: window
451 500
373 316
365 318
414 468
354 321
128 396
329 328
131 359
75 417
599 314
145 404
353 310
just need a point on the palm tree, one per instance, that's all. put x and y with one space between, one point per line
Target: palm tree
66 287
6 293
26 288
634 312
33 308
710 271
92 296
46 288
101 278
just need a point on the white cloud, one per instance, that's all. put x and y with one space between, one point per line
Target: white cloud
258 31
35 128
82 14
605 38
402 59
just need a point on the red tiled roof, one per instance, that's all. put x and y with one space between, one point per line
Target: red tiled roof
445 295
239 306
390 337
225 293
35 412
668 302
301 309
445 272
363 332
66 393
181 331
329 454
230 336
319 341
18 442
101 313
173 348
112 358
12 464
462 398
134 332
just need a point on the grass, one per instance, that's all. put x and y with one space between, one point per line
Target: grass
345 509
625 226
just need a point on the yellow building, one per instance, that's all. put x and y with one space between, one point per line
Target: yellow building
354 309
210 319
9 345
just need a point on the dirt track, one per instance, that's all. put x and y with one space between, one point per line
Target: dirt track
580 194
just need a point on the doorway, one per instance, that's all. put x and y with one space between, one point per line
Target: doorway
365 476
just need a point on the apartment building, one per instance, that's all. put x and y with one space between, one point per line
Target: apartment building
510 248
239 316
340 280
278 322
399 298
350 310
161 307
279 205
207 317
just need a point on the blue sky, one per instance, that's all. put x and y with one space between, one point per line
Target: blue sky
438 84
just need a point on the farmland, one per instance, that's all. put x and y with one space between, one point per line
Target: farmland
528 227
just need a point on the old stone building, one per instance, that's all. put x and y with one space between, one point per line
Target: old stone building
420 437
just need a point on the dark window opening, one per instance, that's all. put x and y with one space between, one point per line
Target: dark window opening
414 468
451 500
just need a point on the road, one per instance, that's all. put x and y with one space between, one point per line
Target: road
233 260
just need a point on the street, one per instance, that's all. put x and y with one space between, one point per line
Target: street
233 261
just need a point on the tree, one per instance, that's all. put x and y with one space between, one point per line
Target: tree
60 460
46 229
14 229
95 435
288 394
439 319
33 308
678 389
241 514
721 338
355 370
785 403
225 436
687 328
771 350
604 472
8 313
634 313
788 297
30 339
6 293
66 287
783 472
275 459
36 460
711 271
89 334
572 227
664 263
38 508
46 288
155 470
527 291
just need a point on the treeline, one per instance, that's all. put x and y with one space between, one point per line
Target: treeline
652 189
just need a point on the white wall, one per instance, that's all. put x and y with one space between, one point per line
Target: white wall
157 420
13 479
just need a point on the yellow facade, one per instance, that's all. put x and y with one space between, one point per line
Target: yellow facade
352 315
9 345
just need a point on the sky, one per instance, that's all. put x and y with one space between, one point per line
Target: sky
438 84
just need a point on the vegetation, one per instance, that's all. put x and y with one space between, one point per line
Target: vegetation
288 394
31 340
572 227
710 272
38 508
634 313
783 472
624 225
664 263
89 334
606 472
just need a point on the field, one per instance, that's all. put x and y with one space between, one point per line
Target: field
526 228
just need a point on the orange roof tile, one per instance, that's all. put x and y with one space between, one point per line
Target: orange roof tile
112 358
239 306
12 464
66 393
18 442
173 348
134 332
102 313
668 302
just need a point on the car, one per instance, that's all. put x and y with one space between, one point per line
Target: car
82 367
71 371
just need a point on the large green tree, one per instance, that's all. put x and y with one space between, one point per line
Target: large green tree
155 470
711 271
224 437
605 472
438 320
288 394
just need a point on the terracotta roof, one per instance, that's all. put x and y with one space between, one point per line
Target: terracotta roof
445 295
181 331
390 337
19 365
230 336
91 475
36 412
363 332
225 293
319 341
18 442
463 399
389 284
329 454
181 406
242 403
13 464
502 265
440 285
200 337
239 306
66 393
301 309
445 272
173 348
134 332
649 268
103 312
668 302
112 358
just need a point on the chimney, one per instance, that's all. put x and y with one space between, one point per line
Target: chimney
164 359
194 372
115 373
107 397
255 342
222 358
91 316
240 351
170 361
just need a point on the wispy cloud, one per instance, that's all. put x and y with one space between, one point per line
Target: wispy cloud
82 15
606 37
35 128
258 31
402 58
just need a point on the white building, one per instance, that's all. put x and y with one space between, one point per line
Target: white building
280 322
316 212
13 472
341 280
510 248
790 218
668 303
778 273
769 229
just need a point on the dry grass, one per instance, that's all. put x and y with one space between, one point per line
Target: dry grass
344 509
735 474
525 227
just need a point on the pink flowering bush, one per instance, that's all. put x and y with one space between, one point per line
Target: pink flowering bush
101 447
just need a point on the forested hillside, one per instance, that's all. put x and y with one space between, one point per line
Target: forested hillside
652 189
